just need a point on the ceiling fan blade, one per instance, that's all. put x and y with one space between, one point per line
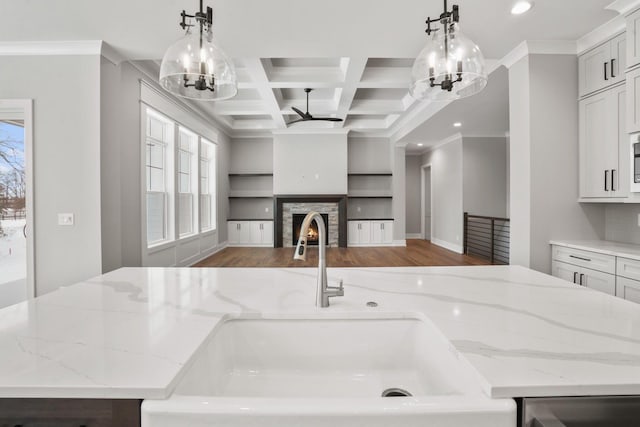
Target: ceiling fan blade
300 113
327 119
297 121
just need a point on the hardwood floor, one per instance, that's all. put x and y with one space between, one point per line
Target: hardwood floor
417 253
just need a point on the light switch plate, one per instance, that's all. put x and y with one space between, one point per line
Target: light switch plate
638 220
65 219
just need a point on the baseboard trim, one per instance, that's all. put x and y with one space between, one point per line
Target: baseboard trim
402 243
450 246
414 236
207 254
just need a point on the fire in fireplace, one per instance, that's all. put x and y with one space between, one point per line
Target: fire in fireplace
312 236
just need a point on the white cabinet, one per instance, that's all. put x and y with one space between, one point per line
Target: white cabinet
604 152
633 101
262 233
370 233
359 233
633 39
602 66
628 289
604 272
598 280
250 233
382 232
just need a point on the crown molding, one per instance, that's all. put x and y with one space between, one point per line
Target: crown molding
34 48
538 47
331 131
624 6
110 54
600 34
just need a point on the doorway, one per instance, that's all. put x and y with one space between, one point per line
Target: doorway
426 219
16 203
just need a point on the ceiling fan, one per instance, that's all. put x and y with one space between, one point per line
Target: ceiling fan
306 117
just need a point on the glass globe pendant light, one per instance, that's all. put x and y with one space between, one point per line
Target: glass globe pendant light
450 66
195 67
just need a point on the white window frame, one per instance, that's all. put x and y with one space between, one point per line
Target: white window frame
211 191
192 179
168 176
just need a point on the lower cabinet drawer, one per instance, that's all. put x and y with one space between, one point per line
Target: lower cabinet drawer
629 268
628 289
587 259
592 279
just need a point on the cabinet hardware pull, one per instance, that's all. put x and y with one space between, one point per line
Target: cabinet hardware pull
575 276
613 186
580 258
605 70
581 277
613 76
606 180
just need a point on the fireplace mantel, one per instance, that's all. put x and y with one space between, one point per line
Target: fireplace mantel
340 200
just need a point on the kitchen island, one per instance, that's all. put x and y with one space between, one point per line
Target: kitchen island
131 334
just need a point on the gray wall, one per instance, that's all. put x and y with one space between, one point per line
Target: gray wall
413 197
310 163
66 150
543 90
398 154
622 223
446 194
366 155
484 166
251 155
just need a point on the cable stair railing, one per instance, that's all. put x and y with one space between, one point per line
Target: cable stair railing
487 237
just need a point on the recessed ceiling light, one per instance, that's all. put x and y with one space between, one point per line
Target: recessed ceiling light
457 124
420 144
521 6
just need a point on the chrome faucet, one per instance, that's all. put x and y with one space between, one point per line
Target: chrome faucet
323 292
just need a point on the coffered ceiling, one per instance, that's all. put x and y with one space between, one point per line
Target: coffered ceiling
355 54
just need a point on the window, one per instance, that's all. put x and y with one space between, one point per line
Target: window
187 186
207 186
159 138
180 170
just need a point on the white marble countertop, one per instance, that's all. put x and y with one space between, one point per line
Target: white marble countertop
132 332
625 250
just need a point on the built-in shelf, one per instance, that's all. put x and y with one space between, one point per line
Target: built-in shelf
371 196
362 194
251 174
237 194
370 174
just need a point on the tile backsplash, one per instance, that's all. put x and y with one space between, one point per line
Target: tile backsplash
621 223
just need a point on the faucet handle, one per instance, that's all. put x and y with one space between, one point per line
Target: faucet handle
337 291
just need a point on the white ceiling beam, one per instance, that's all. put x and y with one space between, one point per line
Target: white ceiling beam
252 124
353 68
238 108
258 70
372 106
302 76
386 77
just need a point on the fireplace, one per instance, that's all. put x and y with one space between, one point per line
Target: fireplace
333 209
313 235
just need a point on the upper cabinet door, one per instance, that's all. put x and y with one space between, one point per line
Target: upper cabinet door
595 125
633 39
618 61
595 69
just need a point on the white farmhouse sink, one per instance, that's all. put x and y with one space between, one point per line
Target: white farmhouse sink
327 372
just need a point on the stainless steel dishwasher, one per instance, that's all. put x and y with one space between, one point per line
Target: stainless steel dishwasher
592 411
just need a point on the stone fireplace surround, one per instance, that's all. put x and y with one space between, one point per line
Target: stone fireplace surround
333 205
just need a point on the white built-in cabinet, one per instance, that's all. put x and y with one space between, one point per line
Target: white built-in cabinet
604 272
250 233
633 38
603 66
370 233
604 150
